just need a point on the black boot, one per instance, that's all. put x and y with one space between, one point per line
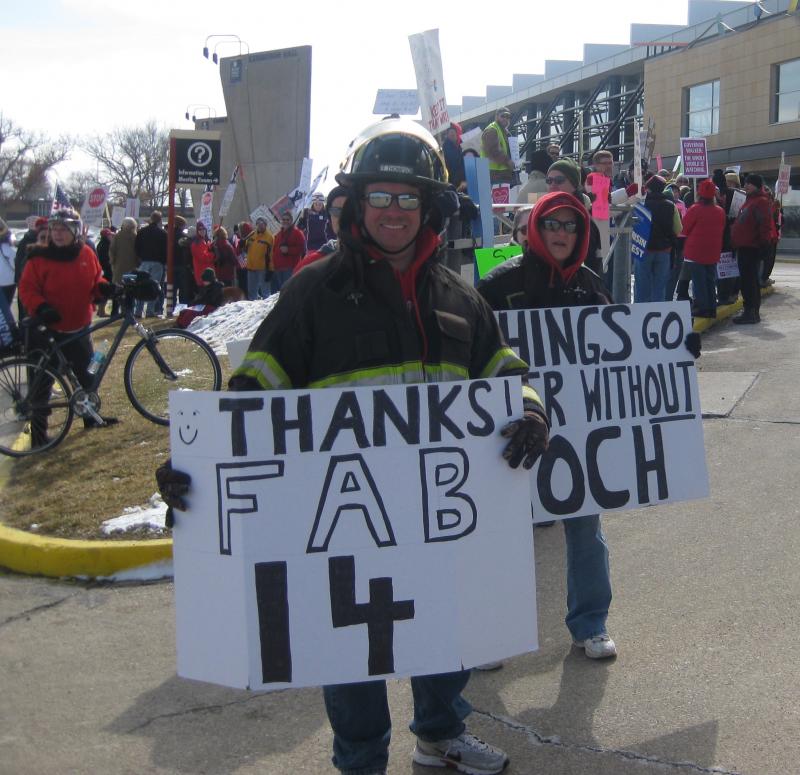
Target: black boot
747 316
90 422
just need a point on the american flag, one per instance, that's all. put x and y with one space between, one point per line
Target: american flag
60 199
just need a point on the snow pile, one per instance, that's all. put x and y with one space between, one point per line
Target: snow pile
238 320
151 515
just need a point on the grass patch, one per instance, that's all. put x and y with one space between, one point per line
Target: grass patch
93 474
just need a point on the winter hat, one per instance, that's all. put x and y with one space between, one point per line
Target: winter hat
107 233
568 169
732 179
208 275
756 180
707 189
40 223
129 224
656 184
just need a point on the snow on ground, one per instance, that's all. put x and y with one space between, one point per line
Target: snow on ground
151 515
238 320
229 323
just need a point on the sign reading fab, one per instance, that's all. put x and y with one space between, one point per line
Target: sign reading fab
620 389
337 536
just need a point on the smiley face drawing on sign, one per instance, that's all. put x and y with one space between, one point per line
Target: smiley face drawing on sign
187 426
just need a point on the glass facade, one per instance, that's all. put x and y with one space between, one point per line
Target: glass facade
702 110
787 92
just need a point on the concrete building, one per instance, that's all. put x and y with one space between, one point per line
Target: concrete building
732 75
267 127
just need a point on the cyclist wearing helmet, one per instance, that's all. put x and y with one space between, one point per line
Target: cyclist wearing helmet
381 310
60 284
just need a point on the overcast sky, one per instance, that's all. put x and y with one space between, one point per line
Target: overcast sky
85 66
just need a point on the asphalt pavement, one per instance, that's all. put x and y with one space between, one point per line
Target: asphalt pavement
705 615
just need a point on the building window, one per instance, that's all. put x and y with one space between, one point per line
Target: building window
702 109
786 105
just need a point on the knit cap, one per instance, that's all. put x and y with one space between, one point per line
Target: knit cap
568 169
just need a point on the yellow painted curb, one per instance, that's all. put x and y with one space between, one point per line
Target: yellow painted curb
723 313
35 555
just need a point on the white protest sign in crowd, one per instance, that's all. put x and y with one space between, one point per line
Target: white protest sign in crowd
427 58
620 389
404 102
206 217
341 535
695 157
94 206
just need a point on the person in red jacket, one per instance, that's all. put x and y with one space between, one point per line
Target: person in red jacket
60 284
752 235
288 249
202 255
703 228
225 262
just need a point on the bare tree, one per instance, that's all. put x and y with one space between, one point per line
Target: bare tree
134 161
25 159
79 184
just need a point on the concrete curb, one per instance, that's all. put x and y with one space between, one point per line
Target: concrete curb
35 555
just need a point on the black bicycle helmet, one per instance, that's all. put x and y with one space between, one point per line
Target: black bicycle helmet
395 150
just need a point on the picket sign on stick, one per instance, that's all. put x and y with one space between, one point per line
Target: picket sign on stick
344 535
620 389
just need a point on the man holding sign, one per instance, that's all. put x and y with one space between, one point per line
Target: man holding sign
381 311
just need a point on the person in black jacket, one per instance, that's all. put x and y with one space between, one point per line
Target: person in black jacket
151 250
382 310
651 272
552 273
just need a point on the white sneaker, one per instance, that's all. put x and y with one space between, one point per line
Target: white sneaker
487 667
598 646
464 753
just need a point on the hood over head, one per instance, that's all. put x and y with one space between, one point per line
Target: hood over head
547 204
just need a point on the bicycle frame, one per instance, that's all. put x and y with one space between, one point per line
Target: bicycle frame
55 348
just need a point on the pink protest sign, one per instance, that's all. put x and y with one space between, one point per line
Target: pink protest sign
695 157
598 184
501 194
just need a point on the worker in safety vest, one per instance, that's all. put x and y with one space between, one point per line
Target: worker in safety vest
494 147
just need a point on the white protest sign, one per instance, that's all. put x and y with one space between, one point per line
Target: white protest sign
237 349
294 200
322 175
620 389
343 535
132 206
230 193
117 214
737 200
784 173
513 149
427 58
471 140
727 266
262 211
404 102
94 206
695 157
206 216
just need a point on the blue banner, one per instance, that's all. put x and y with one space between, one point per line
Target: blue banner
640 233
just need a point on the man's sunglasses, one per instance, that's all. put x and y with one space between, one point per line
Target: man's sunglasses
380 200
553 224
554 181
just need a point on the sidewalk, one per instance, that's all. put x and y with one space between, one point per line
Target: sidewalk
705 615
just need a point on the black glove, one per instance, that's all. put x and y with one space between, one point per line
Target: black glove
48 314
172 485
692 343
468 208
528 439
105 290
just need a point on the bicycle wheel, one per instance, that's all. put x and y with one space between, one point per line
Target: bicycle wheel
172 360
35 410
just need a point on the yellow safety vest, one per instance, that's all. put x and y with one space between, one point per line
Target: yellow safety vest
501 136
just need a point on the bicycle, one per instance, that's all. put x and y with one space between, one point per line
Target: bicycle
40 393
